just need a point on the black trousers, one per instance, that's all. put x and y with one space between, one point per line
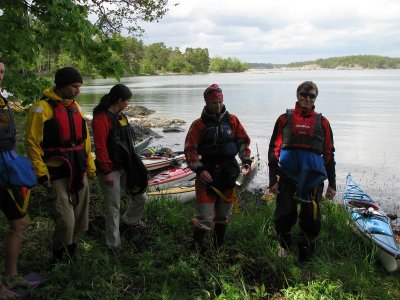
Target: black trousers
286 214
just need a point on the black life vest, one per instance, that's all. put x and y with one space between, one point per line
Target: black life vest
303 133
7 127
123 155
64 137
119 141
218 139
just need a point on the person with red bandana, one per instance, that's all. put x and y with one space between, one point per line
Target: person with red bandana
58 144
300 159
211 146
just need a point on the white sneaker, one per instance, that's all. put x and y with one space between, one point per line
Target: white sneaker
282 252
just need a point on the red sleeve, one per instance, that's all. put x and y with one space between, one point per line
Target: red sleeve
242 139
192 141
329 153
101 125
328 143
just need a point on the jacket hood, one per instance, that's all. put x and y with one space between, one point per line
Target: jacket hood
215 117
49 93
303 111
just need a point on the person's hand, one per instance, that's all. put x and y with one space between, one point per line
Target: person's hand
109 179
274 189
330 193
205 176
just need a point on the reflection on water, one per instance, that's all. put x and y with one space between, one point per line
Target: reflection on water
362 107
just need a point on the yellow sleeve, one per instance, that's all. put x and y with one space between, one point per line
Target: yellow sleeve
38 114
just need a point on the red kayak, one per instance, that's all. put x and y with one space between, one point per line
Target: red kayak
171 177
158 162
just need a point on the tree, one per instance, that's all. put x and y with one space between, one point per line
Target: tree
176 62
198 58
132 54
158 54
36 32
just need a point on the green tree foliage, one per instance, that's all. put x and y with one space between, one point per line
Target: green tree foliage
37 36
158 54
198 59
229 64
176 62
353 61
132 54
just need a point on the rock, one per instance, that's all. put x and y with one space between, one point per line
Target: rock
173 129
137 111
155 122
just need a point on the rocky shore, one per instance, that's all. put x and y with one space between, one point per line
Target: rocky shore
140 118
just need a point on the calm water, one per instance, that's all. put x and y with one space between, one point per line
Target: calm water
363 108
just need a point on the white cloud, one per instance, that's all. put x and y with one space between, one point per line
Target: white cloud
281 31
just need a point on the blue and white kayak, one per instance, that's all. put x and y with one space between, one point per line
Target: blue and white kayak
372 222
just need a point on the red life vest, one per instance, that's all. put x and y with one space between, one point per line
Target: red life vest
303 132
63 137
67 128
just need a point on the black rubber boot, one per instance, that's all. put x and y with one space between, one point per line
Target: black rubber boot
198 240
219 235
56 257
72 251
306 250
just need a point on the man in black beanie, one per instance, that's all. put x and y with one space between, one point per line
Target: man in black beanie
58 144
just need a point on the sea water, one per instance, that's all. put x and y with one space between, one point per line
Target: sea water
363 107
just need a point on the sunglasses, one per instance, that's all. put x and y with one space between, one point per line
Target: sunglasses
212 91
307 95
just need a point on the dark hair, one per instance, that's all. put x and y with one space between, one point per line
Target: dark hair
307 86
118 91
2 60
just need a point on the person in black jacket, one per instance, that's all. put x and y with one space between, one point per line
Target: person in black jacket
117 163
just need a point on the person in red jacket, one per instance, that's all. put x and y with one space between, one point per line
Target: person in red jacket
117 163
211 146
301 157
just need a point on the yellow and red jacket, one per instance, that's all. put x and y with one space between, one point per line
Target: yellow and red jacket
40 113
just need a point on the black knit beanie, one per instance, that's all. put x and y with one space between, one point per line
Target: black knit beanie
67 75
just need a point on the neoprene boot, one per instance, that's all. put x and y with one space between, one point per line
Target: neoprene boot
306 250
219 235
56 257
72 252
198 239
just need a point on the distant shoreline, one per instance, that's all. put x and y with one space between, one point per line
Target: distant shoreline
312 68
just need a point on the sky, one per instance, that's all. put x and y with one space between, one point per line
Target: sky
280 31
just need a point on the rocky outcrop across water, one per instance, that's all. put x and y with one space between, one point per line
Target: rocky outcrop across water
139 115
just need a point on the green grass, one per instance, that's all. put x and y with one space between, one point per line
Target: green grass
155 263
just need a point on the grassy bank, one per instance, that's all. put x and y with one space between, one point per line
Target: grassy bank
155 262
